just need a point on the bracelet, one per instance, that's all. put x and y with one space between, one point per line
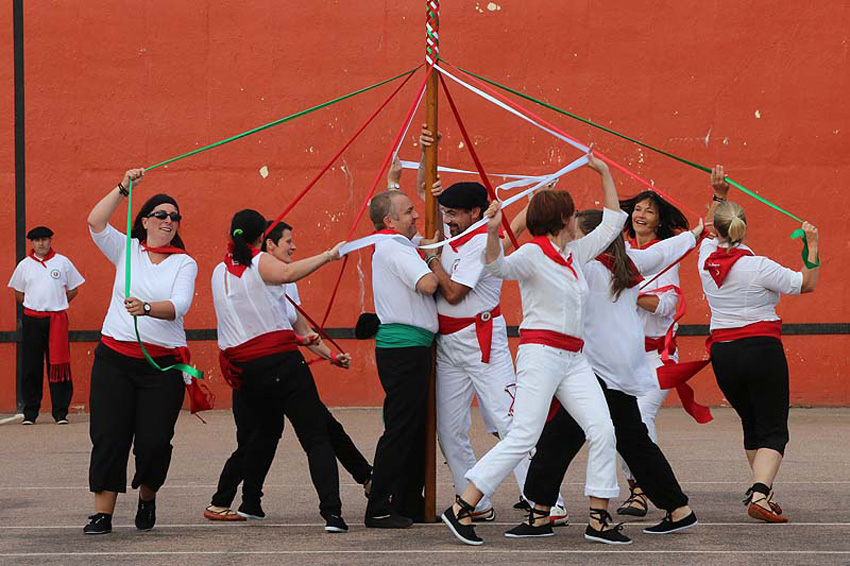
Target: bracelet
429 258
718 199
393 186
124 192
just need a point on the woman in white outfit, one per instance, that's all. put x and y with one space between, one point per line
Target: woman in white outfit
549 361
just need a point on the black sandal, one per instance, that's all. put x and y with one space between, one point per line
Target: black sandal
611 535
464 533
636 505
529 530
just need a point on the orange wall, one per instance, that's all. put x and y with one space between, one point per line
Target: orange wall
115 84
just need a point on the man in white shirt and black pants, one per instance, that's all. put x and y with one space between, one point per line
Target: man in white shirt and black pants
45 283
402 286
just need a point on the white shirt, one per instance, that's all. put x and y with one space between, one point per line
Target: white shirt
655 324
395 270
552 297
291 291
750 291
45 286
614 338
466 267
171 280
246 307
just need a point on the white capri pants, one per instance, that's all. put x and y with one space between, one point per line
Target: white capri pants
544 372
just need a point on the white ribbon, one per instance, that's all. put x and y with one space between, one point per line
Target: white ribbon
375 238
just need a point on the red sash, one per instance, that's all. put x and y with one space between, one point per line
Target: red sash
237 269
549 251
168 250
551 338
134 350
260 346
43 261
57 342
634 275
483 328
721 261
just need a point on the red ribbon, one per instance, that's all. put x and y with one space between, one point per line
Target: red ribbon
548 249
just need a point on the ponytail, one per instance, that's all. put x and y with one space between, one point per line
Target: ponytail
623 272
245 228
730 222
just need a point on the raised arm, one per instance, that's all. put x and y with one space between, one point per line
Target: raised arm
810 275
275 272
662 254
103 210
610 200
721 193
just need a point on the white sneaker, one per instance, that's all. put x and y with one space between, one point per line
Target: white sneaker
558 516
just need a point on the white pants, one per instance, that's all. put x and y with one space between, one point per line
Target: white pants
650 403
460 375
544 372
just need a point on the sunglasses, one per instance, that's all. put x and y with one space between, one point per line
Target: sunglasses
162 215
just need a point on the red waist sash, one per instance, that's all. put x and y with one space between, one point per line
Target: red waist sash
134 350
58 345
258 347
772 328
659 344
551 338
483 328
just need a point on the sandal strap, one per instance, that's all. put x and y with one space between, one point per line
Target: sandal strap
533 513
604 517
636 499
466 510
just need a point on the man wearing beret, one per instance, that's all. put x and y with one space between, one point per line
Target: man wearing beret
472 345
45 283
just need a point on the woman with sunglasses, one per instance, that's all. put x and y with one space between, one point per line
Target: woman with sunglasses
259 356
131 402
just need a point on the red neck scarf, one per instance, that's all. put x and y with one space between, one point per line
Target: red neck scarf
549 251
634 275
721 261
43 261
237 269
167 250
633 243
456 244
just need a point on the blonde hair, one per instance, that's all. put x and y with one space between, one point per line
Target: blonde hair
730 222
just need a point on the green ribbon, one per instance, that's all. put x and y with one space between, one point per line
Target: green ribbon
630 139
281 120
798 233
185 368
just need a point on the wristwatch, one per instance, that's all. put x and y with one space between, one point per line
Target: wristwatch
147 307
718 199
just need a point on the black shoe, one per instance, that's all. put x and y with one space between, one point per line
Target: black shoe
389 520
464 533
146 515
668 525
530 530
613 535
635 505
335 524
99 524
251 511
522 505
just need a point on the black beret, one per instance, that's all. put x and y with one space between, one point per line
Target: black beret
39 232
367 326
465 196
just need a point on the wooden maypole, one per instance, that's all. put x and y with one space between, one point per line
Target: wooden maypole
432 52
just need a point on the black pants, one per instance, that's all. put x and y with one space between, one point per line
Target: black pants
274 386
753 375
562 439
247 424
131 403
399 466
35 332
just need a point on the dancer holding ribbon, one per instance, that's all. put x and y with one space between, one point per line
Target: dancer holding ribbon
131 402
260 359
614 346
554 294
660 303
746 350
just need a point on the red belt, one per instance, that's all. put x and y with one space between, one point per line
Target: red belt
257 347
764 328
483 328
551 338
659 344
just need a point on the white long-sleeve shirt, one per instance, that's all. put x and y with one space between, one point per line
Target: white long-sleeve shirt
614 336
750 291
552 297
656 323
172 280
